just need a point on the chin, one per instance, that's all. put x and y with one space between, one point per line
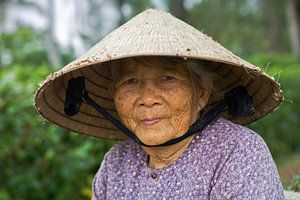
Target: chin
154 137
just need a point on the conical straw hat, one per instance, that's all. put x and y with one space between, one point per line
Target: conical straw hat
150 33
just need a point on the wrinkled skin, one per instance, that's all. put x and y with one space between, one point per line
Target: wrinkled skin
162 96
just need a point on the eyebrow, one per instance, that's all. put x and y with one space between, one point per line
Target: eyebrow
169 68
126 73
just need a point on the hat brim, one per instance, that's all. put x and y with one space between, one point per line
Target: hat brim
50 97
149 34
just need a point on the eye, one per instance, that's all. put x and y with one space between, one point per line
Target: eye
130 81
167 78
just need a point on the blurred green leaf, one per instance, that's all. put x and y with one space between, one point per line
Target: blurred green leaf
38 160
281 128
295 184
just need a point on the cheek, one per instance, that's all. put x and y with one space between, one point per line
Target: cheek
179 99
180 107
124 103
123 99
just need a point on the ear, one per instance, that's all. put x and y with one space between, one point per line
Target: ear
205 91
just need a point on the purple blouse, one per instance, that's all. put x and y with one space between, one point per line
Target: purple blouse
223 161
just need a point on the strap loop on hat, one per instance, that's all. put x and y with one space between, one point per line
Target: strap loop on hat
74 93
238 100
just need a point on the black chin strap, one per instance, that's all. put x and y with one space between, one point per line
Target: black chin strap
238 101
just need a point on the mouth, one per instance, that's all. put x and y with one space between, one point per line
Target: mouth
150 121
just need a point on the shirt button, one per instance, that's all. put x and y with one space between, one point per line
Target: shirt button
153 175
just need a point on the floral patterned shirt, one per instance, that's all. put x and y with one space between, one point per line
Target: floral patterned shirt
223 161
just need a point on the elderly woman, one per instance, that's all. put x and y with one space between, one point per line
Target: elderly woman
177 98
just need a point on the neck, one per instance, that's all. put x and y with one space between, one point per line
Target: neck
160 157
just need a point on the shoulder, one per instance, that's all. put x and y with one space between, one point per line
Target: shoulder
244 160
242 152
121 154
124 148
226 142
224 133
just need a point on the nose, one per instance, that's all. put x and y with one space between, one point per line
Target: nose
149 94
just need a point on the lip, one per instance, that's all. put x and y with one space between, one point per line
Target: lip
150 121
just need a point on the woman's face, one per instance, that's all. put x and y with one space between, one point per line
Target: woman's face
156 102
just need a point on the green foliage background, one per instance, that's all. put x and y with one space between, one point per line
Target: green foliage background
280 128
41 161
38 160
